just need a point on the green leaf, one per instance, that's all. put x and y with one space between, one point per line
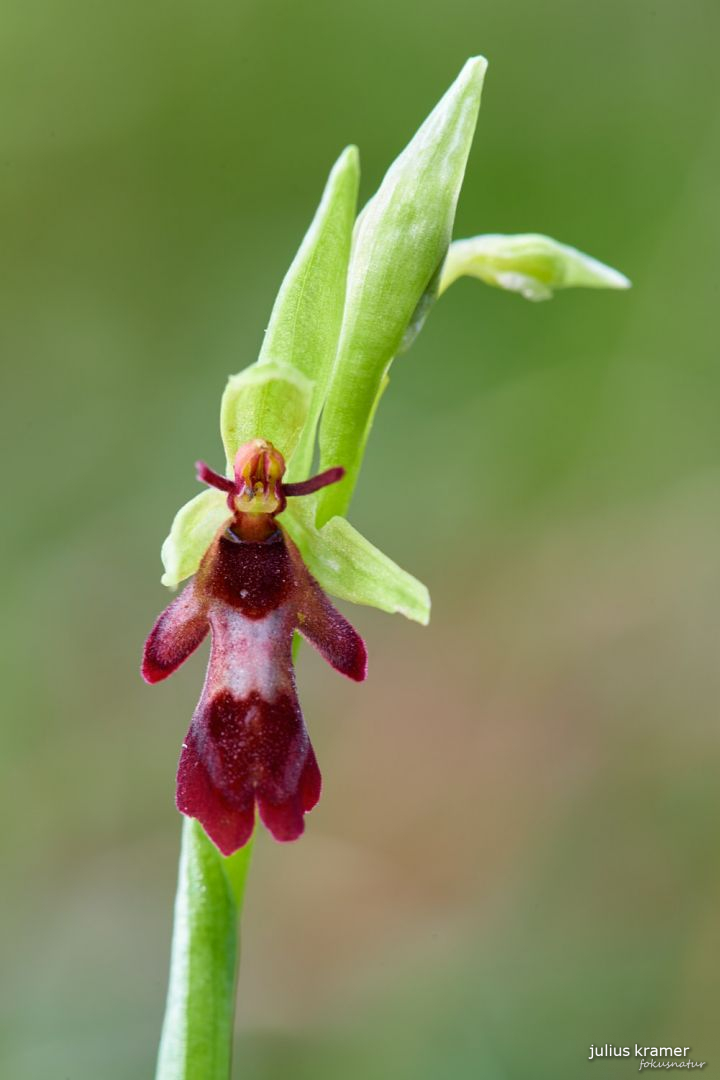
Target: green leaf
350 567
400 239
197 1030
305 323
265 401
529 264
191 534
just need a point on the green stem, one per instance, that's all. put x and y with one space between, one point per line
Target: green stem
197 1031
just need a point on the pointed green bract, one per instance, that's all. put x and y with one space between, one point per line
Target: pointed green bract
191 534
530 264
351 568
265 401
305 323
400 240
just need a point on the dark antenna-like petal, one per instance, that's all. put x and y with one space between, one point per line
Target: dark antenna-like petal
206 475
323 479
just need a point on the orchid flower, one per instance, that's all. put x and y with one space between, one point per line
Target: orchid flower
247 742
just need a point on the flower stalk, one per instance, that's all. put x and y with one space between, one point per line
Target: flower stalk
196 1038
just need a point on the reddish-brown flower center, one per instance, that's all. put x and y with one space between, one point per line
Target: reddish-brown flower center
257 492
259 469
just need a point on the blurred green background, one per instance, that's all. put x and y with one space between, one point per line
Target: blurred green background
516 852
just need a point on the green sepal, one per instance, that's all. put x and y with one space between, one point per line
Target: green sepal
350 567
306 318
529 264
400 239
191 534
269 400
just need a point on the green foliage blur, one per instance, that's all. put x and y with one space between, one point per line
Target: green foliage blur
516 851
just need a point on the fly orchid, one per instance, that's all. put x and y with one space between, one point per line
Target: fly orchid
355 296
247 745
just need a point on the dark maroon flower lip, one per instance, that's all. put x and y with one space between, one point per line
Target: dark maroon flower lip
246 753
247 750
